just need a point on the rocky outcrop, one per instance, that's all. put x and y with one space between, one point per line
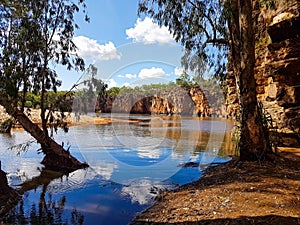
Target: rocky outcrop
190 101
277 70
3 115
290 26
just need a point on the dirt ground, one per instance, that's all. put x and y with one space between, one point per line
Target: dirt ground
235 193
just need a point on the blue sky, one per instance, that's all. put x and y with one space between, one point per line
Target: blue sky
127 50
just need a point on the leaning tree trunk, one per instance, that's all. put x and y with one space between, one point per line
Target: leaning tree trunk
56 157
254 142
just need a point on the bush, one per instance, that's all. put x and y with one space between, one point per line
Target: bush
28 104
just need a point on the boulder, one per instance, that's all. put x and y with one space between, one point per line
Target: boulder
290 26
290 96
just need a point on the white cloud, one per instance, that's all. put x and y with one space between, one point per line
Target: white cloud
131 85
111 83
126 84
79 177
142 191
105 169
21 169
148 32
128 75
91 49
153 72
178 71
149 153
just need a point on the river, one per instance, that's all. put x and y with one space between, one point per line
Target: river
130 160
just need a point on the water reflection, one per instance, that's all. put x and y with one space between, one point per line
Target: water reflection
185 135
143 191
46 210
130 163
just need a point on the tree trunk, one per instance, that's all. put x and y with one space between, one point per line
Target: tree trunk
56 157
254 143
234 56
8 196
44 179
5 126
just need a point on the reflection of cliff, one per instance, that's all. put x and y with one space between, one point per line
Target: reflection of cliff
192 136
175 101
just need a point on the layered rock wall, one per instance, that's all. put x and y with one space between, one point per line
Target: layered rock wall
277 70
174 101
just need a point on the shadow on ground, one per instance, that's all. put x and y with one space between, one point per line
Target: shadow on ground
263 220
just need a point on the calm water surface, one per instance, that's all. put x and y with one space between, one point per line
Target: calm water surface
130 163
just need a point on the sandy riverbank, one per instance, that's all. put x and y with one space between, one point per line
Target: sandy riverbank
70 118
236 193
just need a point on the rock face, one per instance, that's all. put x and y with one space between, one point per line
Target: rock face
277 70
3 115
175 101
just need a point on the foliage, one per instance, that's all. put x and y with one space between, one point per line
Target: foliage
267 3
35 34
207 28
269 127
77 99
114 91
210 87
200 26
48 211
213 90
56 101
22 147
261 44
88 90
6 125
236 135
185 81
146 89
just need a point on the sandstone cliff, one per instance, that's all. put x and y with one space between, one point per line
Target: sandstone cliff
277 70
191 101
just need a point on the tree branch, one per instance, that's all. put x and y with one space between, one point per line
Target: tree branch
221 41
206 16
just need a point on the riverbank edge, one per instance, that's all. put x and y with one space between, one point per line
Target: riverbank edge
234 193
70 119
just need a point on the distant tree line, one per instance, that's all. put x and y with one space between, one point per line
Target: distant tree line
62 100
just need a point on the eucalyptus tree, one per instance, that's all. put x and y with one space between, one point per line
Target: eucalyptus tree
34 36
208 29
89 91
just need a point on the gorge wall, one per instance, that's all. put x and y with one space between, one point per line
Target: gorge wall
277 69
191 101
